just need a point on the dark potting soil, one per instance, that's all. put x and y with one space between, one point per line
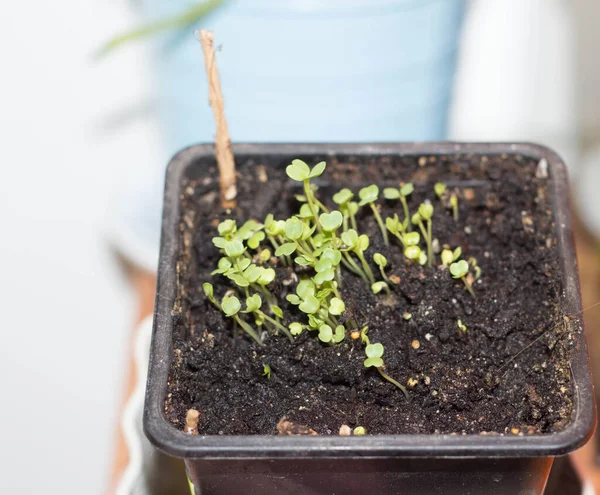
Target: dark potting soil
507 373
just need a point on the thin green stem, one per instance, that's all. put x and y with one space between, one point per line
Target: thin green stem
356 268
276 324
385 277
350 267
382 226
305 248
352 220
273 242
400 238
427 235
393 382
248 329
236 333
310 200
468 286
269 297
454 203
324 312
366 267
406 223
338 279
322 206
429 245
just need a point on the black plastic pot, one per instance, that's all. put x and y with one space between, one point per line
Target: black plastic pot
381 464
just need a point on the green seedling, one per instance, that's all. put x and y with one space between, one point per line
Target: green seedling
296 328
209 292
357 245
476 268
336 306
368 196
359 431
425 213
401 194
412 250
343 198
442 193
374 353
439 188
381 261
377 287
454 205
460 269
253 305
461 326
264 255
396 228
231 306
329 336
267 371
449 257
300 172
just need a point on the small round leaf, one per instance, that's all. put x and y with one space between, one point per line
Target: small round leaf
412 239
375 362
374 350
310 305
407 189
350 238
368 194
317 170
267 275
391 193
208 290
377 287
439 189
459 269
231 305
336 306
447 257
340 333
343 196
295 328
426 210
412 252
324 276
234 248
331 221
286 249
226 227
298 170
380 260
294 299
293 228
253 303
325 333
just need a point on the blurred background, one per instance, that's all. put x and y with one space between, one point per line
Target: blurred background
86 140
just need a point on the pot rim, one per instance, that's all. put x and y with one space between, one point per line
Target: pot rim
176 443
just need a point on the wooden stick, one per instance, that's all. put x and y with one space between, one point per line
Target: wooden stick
223 151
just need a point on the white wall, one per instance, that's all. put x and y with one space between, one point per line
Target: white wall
66 310
587 17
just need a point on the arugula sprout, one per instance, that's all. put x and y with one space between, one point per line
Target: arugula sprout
460 269
368 196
